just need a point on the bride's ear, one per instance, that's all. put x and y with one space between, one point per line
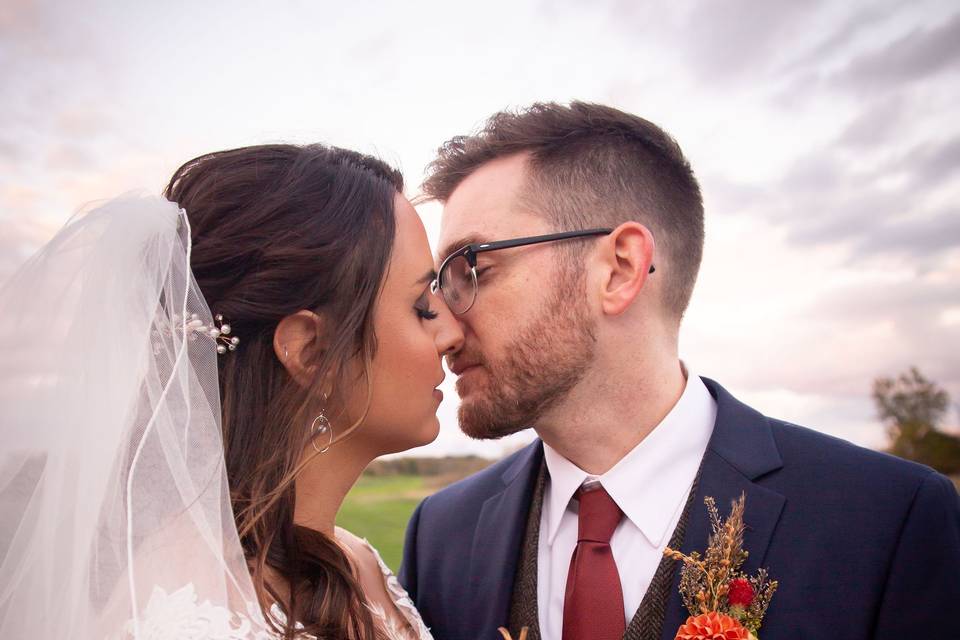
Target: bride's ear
297 341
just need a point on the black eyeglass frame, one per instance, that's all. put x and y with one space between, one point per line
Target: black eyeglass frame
470 251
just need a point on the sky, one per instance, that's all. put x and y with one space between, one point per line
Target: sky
824 134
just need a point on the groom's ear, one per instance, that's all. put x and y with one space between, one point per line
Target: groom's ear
298 341
625 258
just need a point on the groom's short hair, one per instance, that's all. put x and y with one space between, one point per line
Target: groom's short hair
591 165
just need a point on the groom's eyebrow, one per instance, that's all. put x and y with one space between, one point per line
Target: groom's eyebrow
462 242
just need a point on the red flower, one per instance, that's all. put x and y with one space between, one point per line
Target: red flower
712 626
740 593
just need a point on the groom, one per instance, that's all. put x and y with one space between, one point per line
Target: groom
575 335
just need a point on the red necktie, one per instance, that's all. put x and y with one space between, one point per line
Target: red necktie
593 603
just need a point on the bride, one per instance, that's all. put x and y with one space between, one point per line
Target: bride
192 385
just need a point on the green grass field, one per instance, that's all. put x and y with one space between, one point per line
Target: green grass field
378 508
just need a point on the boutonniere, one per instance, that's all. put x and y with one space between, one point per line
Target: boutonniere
506 634
724 603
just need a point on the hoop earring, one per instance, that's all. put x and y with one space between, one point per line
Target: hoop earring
321 425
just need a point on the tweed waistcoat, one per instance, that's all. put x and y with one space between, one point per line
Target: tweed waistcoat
647 623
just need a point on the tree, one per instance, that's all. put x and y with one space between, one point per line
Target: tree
913 408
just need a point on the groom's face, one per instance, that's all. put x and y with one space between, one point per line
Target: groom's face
528 338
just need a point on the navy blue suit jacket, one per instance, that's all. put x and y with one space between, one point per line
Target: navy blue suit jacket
863 544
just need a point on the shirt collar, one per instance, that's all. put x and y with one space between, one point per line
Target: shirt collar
651 482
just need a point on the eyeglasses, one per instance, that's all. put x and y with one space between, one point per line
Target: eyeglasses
457 276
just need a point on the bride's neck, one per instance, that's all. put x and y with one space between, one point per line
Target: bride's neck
324 483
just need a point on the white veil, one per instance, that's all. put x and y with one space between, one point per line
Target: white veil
115 512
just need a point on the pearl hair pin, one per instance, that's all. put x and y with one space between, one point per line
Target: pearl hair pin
194 326
222 336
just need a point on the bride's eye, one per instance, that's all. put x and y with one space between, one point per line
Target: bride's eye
424 312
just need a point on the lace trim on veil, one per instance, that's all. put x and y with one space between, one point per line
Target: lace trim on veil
180 615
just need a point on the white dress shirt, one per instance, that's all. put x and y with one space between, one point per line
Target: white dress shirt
650 485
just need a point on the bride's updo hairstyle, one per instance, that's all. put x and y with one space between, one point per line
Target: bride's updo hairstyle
278 229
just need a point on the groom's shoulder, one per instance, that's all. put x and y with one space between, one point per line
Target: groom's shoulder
826 463
806 454
841 489
798 443
475 489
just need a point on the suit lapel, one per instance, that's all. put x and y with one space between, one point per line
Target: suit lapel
741 450
496 545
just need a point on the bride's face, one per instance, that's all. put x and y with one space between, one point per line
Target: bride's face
414 329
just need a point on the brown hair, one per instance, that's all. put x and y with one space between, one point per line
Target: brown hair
277 229
592 166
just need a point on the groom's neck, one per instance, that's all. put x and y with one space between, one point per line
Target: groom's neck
612 410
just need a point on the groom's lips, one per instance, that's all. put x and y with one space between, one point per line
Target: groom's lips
459 367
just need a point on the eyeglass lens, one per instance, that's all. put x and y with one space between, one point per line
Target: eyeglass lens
459 284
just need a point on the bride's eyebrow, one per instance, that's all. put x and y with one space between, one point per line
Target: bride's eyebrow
426 278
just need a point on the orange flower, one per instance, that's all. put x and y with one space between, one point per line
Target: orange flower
712 626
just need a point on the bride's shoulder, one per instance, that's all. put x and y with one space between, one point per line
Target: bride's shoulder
364 556
348 538
383 590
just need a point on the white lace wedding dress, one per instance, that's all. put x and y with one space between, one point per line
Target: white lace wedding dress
182 615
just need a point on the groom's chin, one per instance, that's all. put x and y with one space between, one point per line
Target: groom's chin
481 422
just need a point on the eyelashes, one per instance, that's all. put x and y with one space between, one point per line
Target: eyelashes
425 314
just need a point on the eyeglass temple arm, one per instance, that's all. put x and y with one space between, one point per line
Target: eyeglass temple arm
519 242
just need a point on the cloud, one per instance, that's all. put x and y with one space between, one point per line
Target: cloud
83 120
10 150
837 41
863 194
728 40
59 74
71 157
932 163
876 124
860 188
880 210
795 320
913 57
19 239
922 239
884 328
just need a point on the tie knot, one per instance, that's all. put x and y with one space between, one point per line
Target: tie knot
599 515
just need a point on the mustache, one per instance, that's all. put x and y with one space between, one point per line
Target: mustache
465 355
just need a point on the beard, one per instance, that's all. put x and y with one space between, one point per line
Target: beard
548 357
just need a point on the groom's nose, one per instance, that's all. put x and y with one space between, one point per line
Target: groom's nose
449 336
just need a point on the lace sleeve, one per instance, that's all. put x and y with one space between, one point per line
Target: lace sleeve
400 597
